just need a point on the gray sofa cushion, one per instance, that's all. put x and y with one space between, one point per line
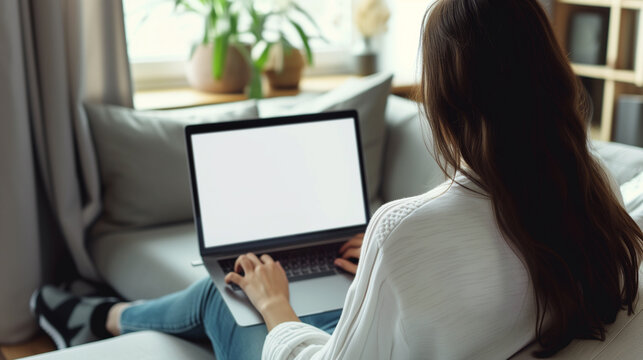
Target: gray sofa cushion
143 162
147 263
409 168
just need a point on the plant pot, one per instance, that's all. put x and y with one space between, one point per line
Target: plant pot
289 76
236 72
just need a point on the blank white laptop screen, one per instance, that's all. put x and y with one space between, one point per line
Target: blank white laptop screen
276 181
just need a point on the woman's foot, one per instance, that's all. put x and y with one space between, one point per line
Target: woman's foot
71 320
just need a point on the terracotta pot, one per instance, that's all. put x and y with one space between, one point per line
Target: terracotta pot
290 74
236 72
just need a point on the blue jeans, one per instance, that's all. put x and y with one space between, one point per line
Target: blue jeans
199 313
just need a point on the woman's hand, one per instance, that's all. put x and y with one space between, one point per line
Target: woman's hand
265 283
350 250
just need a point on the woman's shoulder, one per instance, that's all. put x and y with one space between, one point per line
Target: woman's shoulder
445 203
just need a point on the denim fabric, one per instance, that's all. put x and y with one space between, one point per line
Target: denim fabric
199 313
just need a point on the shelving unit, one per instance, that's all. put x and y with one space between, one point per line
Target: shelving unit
619 75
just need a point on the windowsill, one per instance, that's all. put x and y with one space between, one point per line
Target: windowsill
184 96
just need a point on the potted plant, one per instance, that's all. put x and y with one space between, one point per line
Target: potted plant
228 57
286 62
217 63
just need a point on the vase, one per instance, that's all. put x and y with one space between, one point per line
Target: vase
236 71
288 75
366 59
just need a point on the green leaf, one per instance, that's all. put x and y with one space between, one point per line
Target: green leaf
257 23
186 5
287 45
219 53
193 49
243 51
304 39
263 58
307 16
255 90
212 21
234 23
221 6
206 32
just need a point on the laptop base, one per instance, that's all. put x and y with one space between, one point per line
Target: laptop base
307 297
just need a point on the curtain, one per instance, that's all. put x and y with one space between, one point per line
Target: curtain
54 56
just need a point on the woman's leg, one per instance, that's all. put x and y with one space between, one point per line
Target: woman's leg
179 314
196 313
231 341
200 311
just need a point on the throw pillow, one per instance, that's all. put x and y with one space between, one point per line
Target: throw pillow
409 167
632 192
368 96
623 161
142 159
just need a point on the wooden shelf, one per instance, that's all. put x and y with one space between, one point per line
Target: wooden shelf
605 73
599 3
617 75
185 96
625 4
632 4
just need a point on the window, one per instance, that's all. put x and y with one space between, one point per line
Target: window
160 39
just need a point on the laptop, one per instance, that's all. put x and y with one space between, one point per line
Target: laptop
292 187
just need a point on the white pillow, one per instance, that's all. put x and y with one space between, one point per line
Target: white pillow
368 96
623 161
632 192
142 160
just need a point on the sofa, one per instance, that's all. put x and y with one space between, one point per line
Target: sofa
143 253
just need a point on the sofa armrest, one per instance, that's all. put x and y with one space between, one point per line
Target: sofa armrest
144 345
622 341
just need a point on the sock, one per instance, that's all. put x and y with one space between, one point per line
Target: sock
99 319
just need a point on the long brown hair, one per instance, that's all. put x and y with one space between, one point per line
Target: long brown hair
507 111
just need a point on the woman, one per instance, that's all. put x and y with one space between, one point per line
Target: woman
527 241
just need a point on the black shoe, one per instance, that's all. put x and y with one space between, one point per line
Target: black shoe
68 319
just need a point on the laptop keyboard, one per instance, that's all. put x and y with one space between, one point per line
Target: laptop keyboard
300 264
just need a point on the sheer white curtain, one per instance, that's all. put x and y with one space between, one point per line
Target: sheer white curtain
55 55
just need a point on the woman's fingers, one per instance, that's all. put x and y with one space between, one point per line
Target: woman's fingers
351 249
243 263
255 260
266 259
355 241
351 253
233 278
346 266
